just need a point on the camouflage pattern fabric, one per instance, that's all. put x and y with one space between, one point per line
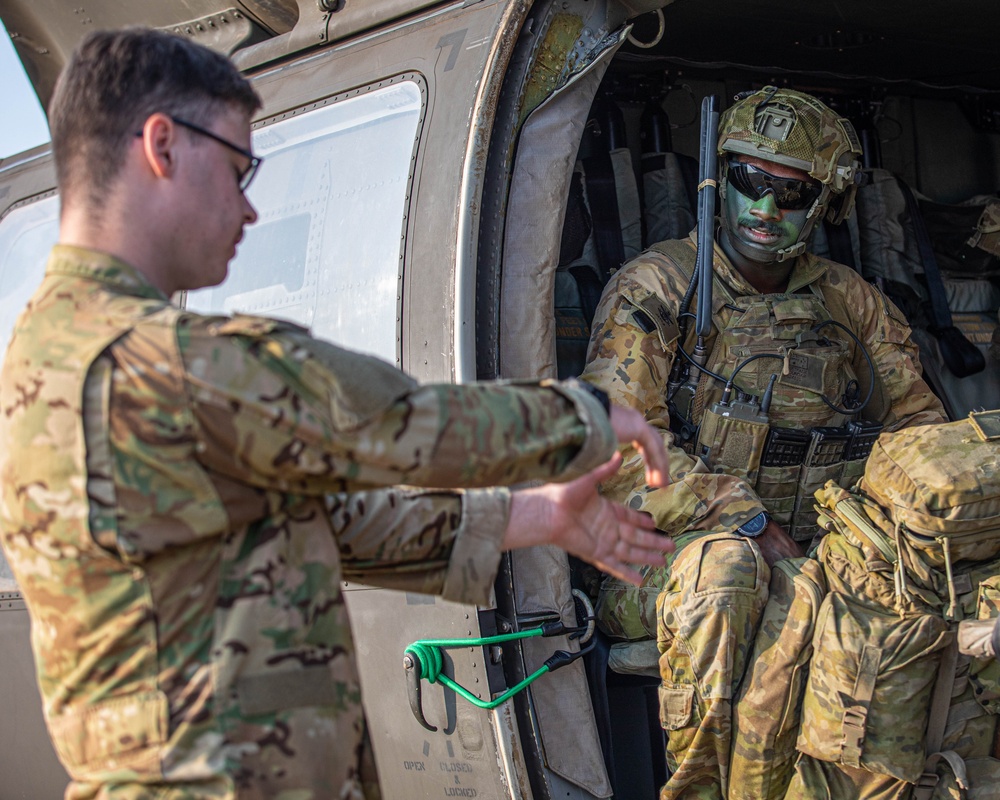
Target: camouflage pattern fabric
767 710
174 513
708 609
633 345
940 486
878 749
890 707
817 140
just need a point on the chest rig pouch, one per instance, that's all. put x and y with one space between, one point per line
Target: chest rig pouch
781 421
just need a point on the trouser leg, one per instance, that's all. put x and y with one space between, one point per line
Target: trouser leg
707 615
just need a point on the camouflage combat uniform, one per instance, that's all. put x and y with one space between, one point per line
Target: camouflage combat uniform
169 513
704 606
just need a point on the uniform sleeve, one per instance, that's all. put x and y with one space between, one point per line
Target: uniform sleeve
631 352
434 542
886 334
279 409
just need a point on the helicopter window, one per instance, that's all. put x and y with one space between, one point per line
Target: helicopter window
332 198
26 236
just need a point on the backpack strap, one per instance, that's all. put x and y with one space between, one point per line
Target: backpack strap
940 702
960 355
856 714
602 194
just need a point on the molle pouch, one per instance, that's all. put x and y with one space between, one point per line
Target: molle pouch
767 710
812 375
810 479
833 454
824 461
864 434
775 487
731 439
784 452
868 697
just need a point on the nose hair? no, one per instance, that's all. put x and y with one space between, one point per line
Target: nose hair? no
766 207
250 213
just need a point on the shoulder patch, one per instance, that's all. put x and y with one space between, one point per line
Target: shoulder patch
653 311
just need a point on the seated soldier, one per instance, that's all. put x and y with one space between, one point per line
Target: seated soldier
803 355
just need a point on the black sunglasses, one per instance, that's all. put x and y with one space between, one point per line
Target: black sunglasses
791 194
245 177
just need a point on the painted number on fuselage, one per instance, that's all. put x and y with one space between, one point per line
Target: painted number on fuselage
453 41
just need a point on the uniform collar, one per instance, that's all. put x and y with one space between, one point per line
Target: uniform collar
79 262
807 269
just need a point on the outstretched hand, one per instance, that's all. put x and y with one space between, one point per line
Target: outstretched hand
631 428
576 518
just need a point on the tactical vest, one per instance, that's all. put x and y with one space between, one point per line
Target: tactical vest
792 347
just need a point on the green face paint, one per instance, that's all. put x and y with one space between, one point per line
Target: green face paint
770 229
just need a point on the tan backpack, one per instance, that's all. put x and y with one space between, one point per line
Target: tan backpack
889 708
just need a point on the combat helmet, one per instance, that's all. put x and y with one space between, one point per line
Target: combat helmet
795 129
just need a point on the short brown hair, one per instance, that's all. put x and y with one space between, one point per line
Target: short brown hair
114 81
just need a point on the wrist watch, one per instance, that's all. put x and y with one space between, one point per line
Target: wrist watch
754 526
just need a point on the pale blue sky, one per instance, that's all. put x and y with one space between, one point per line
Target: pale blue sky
23 123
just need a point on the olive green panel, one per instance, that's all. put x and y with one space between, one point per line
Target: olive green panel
461 54
25 175
459 759
44 32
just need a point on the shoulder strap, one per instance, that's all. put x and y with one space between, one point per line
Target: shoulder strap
602 195
940 702
683 252
960 355
680 251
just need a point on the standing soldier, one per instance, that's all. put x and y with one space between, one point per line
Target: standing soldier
165 474
804 364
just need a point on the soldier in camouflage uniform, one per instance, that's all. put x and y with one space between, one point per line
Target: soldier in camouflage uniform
180 492
798 343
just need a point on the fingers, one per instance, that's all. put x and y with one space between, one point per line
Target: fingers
629 516
632 542
622 562
606 470
622 572
631 427
654 454
648 542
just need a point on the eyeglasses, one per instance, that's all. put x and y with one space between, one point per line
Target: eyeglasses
243 178
791 194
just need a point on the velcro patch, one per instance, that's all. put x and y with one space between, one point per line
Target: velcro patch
987 424
656 311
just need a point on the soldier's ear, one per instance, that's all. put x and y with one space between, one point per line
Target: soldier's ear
159 144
